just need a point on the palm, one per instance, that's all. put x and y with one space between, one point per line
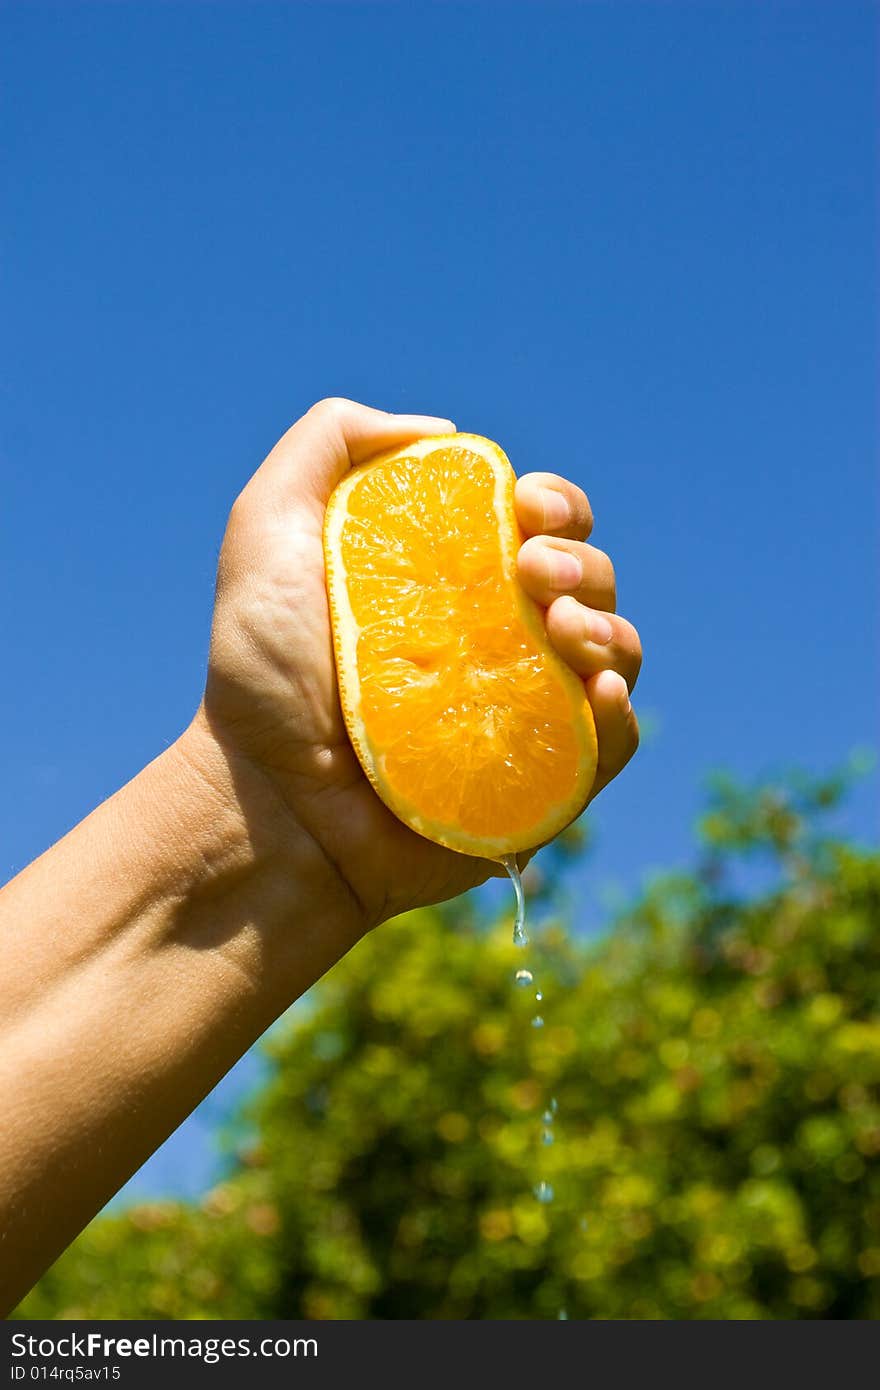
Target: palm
272 688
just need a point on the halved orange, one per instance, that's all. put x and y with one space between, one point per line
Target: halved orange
467 723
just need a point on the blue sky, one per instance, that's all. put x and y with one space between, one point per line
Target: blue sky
634 243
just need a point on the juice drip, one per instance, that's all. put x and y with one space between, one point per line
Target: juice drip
523 979
519 921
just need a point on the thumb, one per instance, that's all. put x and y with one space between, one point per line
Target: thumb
315 452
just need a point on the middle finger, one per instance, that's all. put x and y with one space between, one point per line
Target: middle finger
549 566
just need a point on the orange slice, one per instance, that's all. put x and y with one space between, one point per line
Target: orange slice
467 723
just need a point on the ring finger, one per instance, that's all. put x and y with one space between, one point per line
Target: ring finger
592 641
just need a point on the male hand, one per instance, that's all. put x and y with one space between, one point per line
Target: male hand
271 697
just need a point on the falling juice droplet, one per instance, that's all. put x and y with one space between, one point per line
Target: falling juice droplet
554 1105
544 1192
537 1021
547 1117
538 996
523 978
519 921
547 1136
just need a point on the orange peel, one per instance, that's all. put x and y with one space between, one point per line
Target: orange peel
468 724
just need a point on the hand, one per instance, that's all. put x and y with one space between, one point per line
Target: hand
271 698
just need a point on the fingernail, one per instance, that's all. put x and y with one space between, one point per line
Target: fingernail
599 629
557 512
565 570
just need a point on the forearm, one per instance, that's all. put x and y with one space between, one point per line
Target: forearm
139 958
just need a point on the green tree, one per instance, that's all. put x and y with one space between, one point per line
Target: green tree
715 1059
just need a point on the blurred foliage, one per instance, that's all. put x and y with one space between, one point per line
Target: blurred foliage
715 1058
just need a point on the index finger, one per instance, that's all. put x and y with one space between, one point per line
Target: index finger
547 505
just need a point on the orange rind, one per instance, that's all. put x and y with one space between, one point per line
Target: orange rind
468 724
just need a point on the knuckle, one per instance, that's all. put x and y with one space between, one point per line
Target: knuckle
234 538
605 577
330 410
607 565
635 735
579 505
633 650
582 510
230 548
238 512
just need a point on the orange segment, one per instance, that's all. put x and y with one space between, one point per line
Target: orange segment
469 726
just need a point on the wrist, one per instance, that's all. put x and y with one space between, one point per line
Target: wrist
243 848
